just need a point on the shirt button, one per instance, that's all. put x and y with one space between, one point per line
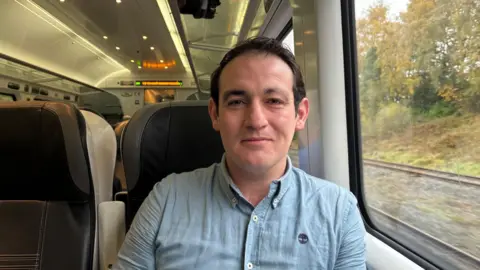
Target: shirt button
275 201
250 266
255 218
234 200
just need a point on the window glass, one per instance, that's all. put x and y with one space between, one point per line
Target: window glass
6 98
293 153
419 92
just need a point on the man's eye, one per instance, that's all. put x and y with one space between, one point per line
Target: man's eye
275 101
234 102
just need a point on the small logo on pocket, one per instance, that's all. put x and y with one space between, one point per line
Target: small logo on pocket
302 238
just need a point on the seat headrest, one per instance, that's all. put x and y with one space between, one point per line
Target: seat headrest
43 152
119 128
91 110
165 138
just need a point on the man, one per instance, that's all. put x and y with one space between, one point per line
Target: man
253 210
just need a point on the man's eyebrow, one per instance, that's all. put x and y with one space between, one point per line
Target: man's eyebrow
269 91
233 92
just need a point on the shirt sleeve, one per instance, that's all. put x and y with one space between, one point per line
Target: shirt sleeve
352 254
138 249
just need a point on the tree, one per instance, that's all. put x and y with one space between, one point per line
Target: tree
377 31
445 41
372 93
426 57
425 94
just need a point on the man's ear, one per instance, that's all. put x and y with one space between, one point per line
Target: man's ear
212 111
302 114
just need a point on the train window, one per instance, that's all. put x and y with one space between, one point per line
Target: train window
152 96
43 92
35 90
419 94
6 98
13 85
294 147
26 88
66 97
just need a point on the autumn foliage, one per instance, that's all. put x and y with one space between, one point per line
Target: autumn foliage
425 60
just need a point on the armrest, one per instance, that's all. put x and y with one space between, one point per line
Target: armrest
121 196
111 224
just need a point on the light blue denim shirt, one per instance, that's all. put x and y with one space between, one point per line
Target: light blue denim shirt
200 220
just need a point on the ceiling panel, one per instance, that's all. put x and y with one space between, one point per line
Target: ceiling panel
210 39
124 24
259 18
68 37
223 30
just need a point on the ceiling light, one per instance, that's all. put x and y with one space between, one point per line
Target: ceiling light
133 61
62 1
166 67
139 67
119 1
152 48
118 48
105 37
161 61
144 37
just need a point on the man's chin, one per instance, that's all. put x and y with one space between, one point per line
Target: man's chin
256 162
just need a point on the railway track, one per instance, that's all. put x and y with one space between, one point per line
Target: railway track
450 256
444 176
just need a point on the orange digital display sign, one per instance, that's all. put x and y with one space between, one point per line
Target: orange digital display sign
158 65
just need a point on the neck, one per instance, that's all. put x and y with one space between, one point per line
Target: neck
255 185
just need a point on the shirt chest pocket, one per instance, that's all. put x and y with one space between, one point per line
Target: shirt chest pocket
189 246
286 244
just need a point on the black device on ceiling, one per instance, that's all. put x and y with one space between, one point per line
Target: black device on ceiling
200 9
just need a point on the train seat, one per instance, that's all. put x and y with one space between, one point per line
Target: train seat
165 138
102 149
119 184
47 202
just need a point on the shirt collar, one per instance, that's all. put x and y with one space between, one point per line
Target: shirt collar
282 184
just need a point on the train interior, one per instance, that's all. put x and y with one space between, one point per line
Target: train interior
99 100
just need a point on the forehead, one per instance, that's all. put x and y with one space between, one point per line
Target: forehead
256 69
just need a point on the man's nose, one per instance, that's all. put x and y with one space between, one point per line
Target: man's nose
255 117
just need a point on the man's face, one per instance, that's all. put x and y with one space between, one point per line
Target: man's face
256 111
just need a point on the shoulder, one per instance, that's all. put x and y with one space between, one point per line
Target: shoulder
327 195
187 181
323 187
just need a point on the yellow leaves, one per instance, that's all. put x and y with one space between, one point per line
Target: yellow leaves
411 83
448 93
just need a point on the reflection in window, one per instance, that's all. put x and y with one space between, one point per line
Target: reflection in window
6 98
293 152
419 90
199 96
158 95
259 18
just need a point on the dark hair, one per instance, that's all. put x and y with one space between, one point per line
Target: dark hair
260 45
